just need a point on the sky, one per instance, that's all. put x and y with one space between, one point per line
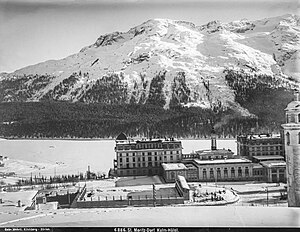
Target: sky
33 31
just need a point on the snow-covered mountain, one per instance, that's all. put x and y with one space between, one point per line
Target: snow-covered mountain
165 60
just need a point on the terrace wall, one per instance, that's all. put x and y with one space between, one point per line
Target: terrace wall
127 202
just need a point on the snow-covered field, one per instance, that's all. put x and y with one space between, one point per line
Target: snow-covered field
191 216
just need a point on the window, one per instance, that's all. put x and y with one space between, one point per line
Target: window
239 172
204 174
232 173
127 159
299 138
218 173
287 138
225 173
171 157
143 158
247 172
172 175
211 173
120 160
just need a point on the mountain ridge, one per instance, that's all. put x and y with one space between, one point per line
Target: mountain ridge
169 61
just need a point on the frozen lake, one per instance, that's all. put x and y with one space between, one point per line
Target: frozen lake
73 156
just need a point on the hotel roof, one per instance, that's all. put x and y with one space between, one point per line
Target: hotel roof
214 152
268 157
222 161
273 163
173 166
264 136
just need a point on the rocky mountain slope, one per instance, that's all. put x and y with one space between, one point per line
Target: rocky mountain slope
166 62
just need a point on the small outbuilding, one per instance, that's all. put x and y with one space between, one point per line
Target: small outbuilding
170 171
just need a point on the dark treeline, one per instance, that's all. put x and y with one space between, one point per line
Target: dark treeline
79 120
263 95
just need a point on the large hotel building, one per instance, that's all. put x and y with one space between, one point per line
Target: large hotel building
164 157
259 145
144 157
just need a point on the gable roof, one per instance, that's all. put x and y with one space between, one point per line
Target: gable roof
121 136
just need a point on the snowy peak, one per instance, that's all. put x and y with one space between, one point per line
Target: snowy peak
168 61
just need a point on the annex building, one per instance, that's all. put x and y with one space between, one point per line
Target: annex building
145 156
259 145
210 165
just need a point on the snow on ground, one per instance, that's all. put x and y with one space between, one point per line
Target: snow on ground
10 200
22 167
138 180
190 216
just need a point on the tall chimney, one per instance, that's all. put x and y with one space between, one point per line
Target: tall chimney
213 140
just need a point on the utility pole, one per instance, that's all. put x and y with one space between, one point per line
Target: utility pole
267 191
267 196
154 195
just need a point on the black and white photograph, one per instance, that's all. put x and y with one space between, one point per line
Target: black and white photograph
149 115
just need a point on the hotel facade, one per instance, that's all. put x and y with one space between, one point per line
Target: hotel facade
144 157
259 145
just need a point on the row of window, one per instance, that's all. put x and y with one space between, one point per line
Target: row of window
149 146
225 171
266 153
265 148
140 165
155 158
258 172
147 153
137 172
